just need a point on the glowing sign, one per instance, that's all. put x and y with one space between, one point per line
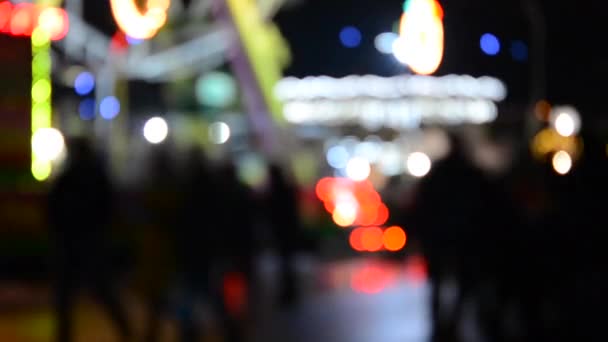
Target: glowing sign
420 45
137 25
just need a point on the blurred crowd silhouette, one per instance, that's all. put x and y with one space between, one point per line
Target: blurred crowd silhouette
197 246
517 253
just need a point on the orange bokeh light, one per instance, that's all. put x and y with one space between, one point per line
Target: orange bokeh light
394 239
372 239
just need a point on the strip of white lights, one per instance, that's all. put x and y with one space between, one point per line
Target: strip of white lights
485 87
396 114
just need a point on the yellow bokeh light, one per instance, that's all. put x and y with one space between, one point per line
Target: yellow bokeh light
137 25
54 22
562 162
41 170
345 214
421 37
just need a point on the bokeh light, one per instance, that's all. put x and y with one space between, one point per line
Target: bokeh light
372 239
156 130
394 239
86 109
6 10
345 213
41 90
565 120
216 89
519 51
421 31
562 162
41 170
337 157
84 83
418 164
219 132
356 239
109 107
54 21
23 19
358 169
47 144
350 37
564 125
138 25
40 38
384 42
489 43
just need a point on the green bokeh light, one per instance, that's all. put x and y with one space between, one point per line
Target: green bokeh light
40 39
41 115
41 90
41 65
216 89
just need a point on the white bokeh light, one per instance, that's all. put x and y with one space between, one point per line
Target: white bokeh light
400 51
418 164
564 125
562 162
565 120
47 144
219 132
384 42
156 130
358 169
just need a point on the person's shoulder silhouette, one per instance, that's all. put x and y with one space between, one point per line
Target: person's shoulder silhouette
82 192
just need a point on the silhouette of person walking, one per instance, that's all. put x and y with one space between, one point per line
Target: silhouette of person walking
285 227
80 207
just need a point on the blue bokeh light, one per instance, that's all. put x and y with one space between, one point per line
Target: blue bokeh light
337 157
109 107
490 45
86 109
350 37
519 51
84 83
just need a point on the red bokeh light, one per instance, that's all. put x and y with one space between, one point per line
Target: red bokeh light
235 293
382 215
356 239
6 10
23 19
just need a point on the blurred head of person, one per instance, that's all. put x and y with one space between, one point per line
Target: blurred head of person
81 153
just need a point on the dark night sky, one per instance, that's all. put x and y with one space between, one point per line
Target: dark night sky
576 68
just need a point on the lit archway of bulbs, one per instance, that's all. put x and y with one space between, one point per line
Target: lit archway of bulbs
140 25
